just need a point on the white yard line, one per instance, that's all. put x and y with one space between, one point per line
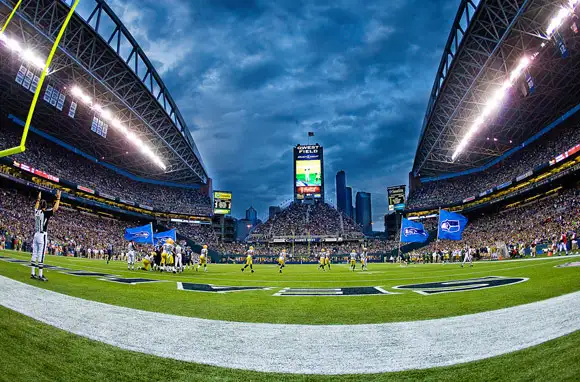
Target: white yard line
300 348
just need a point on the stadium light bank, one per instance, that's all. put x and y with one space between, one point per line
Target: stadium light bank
30 57
109 117
495 100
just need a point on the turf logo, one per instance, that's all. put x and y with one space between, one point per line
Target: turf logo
209 288
462 285
569 265
354 291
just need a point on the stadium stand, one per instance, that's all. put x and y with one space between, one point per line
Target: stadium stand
447 191
71 231
542 221
54 159
320 220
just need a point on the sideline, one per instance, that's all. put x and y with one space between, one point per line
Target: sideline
358 349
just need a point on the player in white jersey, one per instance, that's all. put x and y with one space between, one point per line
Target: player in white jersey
131 255
322 259
282 260
41 216
203 259
363 259
249 259
167 255
353 260
178 266
468 257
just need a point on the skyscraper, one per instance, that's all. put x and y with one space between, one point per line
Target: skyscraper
252 215
363 211
348 210
341 191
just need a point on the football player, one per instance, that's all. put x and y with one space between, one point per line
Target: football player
363 259
187 261
147 262
202 259
282 260
178 259
249 259
167 255
131 255
353 260
322 259
468 257
327 260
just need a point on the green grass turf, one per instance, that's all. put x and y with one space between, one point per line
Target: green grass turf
260 306
32 351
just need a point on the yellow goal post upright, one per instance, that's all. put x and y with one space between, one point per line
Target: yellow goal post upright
22 147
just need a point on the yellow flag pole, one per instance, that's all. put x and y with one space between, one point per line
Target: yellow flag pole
11 15
22 147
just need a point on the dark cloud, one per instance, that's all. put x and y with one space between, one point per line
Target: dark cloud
253 77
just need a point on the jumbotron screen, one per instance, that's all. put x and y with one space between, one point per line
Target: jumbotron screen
308 172
222 202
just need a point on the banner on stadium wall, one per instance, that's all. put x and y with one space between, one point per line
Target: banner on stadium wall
524 176
107 196
565 155
146 207
127 202
470 199
86 189
35 171
506 184
484 193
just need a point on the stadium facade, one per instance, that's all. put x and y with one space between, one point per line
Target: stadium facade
501 122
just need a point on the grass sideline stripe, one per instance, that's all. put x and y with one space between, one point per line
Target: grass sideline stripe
369 348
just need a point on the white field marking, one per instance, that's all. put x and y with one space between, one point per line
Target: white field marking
432 273
369 348
460 285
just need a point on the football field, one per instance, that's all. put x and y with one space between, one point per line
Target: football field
311 311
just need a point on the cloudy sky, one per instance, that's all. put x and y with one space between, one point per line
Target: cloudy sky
252 77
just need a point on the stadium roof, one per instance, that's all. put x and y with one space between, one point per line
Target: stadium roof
487 42
99 58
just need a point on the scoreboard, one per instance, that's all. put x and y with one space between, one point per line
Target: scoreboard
222 202
308 172
396 196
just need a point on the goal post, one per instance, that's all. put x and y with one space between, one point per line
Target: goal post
22 147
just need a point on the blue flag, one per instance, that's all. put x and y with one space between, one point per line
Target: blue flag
451 225
142 235
412 232
161 237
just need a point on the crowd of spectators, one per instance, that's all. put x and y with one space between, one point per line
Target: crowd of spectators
319 219
56 160
541 222
443 192
71 232
199 233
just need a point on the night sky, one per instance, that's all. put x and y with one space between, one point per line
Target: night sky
253 77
